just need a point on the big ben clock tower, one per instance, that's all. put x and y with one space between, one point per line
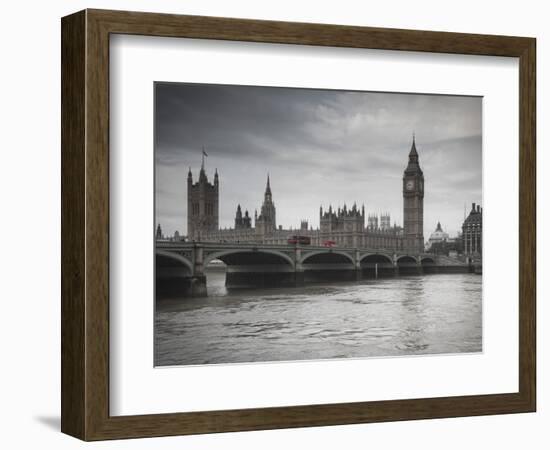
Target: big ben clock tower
413 203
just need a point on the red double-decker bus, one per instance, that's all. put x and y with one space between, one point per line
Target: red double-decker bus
329 243
297 239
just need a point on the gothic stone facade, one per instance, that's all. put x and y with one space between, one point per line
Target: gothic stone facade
202 206
343 226
472 231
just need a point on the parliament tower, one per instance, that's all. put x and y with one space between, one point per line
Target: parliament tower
266 223
202 205
413 203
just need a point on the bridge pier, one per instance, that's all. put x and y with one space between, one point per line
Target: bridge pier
299 274
358 269
169 286
299 278
196 286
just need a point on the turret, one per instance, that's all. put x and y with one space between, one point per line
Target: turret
246 220
238 218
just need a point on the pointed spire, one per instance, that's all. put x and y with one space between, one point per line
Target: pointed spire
189 176
413 167
438 226
268 187
413 151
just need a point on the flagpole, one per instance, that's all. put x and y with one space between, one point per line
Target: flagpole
203 155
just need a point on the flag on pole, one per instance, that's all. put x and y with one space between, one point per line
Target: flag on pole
203 155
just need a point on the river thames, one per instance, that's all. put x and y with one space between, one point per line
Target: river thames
413 315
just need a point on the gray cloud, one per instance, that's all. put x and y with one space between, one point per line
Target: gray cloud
320 147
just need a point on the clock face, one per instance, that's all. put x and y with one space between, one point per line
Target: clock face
410 185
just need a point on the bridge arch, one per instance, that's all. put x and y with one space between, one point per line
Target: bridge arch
324 256
428 264
407 265
246 267
323 265
375 265
174 260
173 274
406 260
262 256
376 258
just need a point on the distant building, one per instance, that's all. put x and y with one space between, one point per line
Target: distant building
385 222
158 234
472 231
344 226
437 237
240 221
372 222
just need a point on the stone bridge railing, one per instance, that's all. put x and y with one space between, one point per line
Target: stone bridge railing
199 255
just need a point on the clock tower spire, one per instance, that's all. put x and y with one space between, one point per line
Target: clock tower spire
413 203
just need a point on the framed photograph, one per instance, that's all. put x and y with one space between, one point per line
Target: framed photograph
272 225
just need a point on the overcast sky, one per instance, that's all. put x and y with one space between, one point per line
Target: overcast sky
320 147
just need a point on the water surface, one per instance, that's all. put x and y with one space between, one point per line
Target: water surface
424 314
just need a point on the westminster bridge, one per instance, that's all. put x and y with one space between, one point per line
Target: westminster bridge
180 266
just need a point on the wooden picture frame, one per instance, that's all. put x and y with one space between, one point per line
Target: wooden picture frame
85 224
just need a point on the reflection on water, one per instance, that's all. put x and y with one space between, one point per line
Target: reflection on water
423 314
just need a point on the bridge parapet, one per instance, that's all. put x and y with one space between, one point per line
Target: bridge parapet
200 254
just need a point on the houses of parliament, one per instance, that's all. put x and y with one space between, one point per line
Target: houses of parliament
342 226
